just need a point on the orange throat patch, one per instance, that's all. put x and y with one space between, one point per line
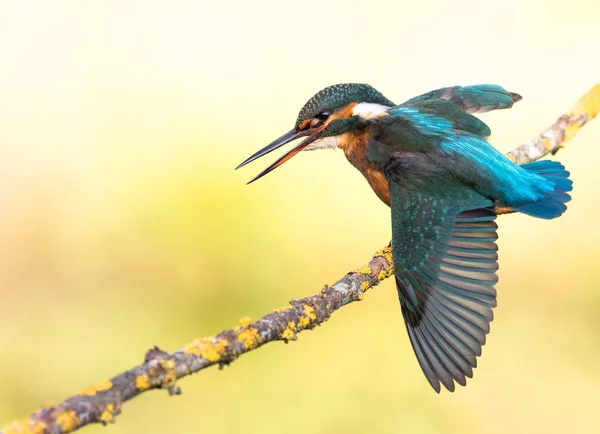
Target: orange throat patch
355 149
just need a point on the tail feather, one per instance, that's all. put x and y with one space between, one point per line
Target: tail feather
552 204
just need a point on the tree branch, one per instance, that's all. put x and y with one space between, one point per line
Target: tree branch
102 402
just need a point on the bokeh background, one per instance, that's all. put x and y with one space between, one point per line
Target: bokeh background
123 224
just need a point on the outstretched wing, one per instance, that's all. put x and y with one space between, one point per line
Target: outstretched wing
445 262
479 98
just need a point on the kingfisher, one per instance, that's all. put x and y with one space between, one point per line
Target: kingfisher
429 160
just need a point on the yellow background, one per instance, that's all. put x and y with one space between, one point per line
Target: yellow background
123 224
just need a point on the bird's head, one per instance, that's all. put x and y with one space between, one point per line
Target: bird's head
333 111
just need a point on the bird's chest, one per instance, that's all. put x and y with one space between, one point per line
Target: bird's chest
355 149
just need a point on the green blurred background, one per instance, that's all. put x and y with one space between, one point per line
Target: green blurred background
123 224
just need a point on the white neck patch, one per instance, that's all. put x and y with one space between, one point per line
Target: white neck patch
330 142
367 110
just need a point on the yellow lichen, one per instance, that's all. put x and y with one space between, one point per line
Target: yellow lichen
303 322
170 372
142 382
108 415
167 365
385 253
282 309
365 269
245 321
310 312
207 348
548 143
68 420
92 390
385 273
25 427
250 337
289 332
365 285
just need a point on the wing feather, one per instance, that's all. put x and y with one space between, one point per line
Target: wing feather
445 261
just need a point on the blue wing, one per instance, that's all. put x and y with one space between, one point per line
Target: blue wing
479 98
445 261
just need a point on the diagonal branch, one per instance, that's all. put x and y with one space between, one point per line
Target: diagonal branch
102 402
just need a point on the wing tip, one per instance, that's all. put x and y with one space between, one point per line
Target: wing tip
515 96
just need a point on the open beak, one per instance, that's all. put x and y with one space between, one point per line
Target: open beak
288 137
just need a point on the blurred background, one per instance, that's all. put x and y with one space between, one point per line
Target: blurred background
124 225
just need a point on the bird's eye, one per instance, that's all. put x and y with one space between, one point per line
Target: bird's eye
323 115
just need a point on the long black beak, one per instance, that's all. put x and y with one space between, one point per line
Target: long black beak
288 137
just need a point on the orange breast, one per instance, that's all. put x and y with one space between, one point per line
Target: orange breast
355 149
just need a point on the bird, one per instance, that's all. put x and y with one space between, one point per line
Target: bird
429 160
